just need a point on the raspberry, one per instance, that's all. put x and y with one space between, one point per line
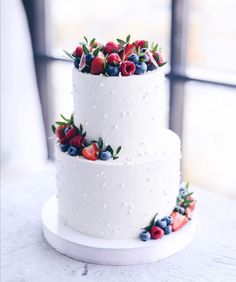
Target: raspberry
127 68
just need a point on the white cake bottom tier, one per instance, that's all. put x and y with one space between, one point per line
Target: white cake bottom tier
115 199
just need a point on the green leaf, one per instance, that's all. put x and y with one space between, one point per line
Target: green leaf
96 51
146 44
139 48
118 150
66 119
128 38
187 186
122 42
109 148
53 127
161 65
85 49
115 158
71 119
153 220
61 123
68 54
84 134
80 128
92 41
100 143
154 49
86 39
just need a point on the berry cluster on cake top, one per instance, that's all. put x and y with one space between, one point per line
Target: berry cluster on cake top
72 139
116 58
180 216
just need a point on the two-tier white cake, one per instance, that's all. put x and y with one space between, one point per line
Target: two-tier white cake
118 166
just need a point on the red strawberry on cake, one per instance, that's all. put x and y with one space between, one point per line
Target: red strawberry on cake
91 152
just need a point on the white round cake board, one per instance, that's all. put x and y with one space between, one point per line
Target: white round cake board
109 252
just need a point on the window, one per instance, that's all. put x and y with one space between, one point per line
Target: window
198 38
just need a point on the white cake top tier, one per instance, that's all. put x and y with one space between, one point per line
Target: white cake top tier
124 111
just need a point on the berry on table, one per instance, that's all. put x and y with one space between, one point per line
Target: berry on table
112 70
89 58
127 68
156 232
98 65
111 47
114 59
179 221
133 58
169 220
78 51
72 151
161 223
64 147
167 230
104 156
145 235
141 68
91 152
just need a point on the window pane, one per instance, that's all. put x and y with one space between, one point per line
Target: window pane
209 137
70 21
212 35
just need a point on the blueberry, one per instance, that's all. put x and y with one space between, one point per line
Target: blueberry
72 151
181 189
140 68
151 67
133 58
76 62
67 129
161 223
112 71
104 156
88 58
167 230
169 219
181 210
64 147
143 50
145 235
143 58
86 69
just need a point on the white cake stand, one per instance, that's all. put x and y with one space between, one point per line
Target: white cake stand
109 252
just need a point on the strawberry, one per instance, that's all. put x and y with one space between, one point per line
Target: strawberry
188 213
156 232
179 220
129 49
91 152
71 133
111 47
158 58
98 65
78 51
192 205
113 59
140 43
60 131
77 141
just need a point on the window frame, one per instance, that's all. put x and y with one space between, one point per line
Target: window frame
177 76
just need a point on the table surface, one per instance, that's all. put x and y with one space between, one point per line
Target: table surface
26 256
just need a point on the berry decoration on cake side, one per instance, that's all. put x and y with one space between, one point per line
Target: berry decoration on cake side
72 139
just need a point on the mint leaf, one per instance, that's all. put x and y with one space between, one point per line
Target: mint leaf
68 54
86 39
122 42
100 143
66 119
128 38
91 42
85 49
146 44
115 158
118 150
53 127
96 51
154 49
162 64
61 123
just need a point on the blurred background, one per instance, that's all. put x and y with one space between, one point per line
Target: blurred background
198 39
